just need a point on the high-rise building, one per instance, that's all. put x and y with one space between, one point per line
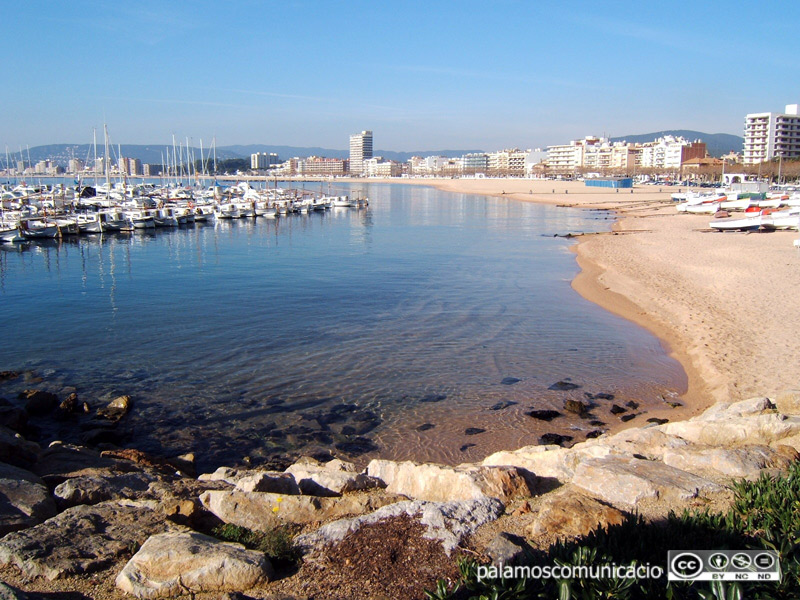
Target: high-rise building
771 135
134 166
262 160
360 150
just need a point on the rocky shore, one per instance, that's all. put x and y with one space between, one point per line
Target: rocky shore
118 523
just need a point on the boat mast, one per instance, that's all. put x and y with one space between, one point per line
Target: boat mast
105 163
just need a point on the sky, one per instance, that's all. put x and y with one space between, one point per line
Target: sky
421 75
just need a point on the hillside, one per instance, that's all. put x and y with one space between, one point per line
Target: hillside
717 143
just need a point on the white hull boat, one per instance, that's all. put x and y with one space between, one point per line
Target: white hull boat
749 222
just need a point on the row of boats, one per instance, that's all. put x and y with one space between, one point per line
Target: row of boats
769 211
48 213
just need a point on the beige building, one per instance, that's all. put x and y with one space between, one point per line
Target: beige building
360 150
316 165
771 135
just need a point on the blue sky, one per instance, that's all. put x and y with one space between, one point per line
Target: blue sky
421 75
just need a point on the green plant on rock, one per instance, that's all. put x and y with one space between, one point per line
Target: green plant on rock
277 543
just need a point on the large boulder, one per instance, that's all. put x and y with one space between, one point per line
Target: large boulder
448 522
330 479
80 540
625 482
438 483
570 513
25 500
549 461
60 462
176 564
731 429
38 402
745 461
262 511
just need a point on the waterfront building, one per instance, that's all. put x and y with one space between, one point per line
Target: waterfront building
377 167
476 162
670 152
152 170
41 167
317 165
75 165
360 150
771 135
260 161
508 162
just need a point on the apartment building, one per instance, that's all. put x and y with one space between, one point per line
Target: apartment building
771 135
360 150
317 165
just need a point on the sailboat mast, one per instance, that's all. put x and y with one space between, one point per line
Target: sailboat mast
105 163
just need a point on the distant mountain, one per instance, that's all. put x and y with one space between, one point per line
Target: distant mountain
716 143
285 152
150 154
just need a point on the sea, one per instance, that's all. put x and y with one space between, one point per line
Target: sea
425 327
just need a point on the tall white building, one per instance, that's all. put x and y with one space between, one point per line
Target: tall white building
771 135
360 150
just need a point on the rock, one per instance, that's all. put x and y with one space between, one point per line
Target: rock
433 398
657 421
577 407
569 513
625 482
440 483
732 429
330 479
563 386
594 434
357 446
555 439
503 404
510 380
632 404
175 564
473 431
269 481
788 402
626 418
116 409
69 405
60 462
616 409
227 474
16 450
544 415
746 461
465 447
80 540
6 375
38 402
603 396
13 418
262 511
99 488
24 499
448 522
506 549
426 427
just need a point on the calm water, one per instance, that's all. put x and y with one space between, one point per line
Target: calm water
345 329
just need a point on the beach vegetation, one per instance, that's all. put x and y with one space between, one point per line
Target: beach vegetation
276 543
764 515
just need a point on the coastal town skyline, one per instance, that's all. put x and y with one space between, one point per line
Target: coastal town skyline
426 77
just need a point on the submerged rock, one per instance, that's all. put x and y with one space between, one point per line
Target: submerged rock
556 439
576 407
426 427
502 405
473 431
544 415
510 380
563 386
38 402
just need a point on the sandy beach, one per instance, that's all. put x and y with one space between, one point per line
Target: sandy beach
723 303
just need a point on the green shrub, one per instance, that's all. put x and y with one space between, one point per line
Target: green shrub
765 514
277 543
